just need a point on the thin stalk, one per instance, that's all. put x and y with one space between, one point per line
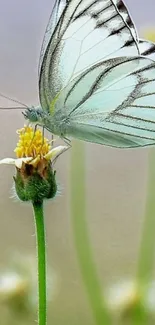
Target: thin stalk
81 236
41 247
147 247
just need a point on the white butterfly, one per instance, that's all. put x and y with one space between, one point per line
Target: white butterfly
96 78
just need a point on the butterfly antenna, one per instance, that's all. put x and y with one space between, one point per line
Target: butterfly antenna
10 108
13 100
52 140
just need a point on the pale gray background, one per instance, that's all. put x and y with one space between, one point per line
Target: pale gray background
116 180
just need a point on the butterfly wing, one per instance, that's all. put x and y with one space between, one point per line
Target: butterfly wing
53 20
88 31
112 103
147 49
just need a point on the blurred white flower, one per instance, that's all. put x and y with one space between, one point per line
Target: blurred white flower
122 295
125 296
19 289
11 285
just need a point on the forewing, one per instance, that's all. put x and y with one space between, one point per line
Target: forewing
53 21
89 31
112 103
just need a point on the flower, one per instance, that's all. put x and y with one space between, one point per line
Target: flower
127 296
18 288
123 296
35 178
32 147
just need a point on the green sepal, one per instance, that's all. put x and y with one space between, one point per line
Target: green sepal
30 185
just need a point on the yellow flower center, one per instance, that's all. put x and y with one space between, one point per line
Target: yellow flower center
31 144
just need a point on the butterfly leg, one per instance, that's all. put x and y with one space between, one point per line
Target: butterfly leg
67 141
43 134
55 159
52 140
35 129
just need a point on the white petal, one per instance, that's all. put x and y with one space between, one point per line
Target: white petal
9 161
19 161
54 153
16 162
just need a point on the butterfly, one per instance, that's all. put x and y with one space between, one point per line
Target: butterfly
96 77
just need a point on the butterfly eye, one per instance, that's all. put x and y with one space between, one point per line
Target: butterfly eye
31 114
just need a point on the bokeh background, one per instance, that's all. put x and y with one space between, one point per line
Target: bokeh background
116 180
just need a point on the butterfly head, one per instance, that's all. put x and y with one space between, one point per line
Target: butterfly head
34 115
38 116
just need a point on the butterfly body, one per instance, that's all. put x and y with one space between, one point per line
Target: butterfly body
53 124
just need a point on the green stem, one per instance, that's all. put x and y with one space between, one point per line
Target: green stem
81 236
147 248
40 234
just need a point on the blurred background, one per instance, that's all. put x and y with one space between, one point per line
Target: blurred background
116 181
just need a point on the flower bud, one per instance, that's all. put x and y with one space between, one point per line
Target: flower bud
35 183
